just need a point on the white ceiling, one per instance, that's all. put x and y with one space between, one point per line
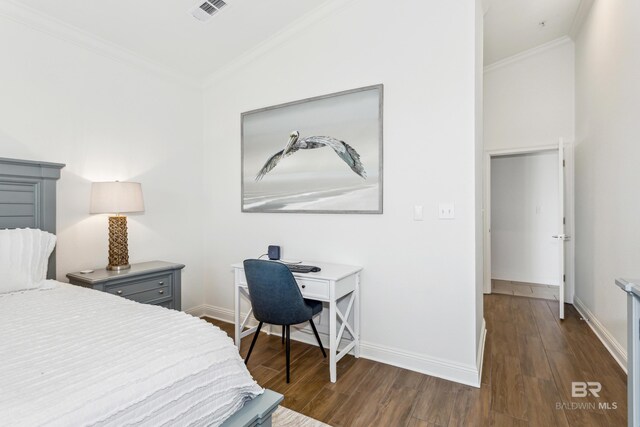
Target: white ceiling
164 32
512 26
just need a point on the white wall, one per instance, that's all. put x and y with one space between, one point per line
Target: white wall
418 285
106 120
607 153
529 98
524 216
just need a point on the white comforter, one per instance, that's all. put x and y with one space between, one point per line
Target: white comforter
71 356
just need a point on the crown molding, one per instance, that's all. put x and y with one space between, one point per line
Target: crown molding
299 25
53 27
527 53
581 15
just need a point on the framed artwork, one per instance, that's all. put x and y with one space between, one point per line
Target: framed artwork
317 155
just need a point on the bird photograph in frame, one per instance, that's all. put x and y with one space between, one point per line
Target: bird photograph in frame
318 155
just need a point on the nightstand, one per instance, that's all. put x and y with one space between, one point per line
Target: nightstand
155 282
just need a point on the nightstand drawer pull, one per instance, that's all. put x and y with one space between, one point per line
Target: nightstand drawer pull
120 292
160 283
161 291
304 286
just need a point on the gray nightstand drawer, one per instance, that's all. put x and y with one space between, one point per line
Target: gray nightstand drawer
133 287
150 296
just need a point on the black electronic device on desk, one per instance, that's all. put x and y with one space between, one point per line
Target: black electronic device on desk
273 252
299 268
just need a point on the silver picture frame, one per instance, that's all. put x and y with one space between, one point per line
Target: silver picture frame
343 176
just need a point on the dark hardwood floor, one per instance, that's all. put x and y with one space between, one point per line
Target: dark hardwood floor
531 359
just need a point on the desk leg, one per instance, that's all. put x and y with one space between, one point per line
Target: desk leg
236 316
333 319
356 317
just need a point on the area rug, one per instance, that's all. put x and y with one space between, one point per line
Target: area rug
284 417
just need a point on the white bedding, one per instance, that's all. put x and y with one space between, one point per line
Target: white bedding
71 356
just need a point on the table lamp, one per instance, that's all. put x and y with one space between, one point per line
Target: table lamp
117 198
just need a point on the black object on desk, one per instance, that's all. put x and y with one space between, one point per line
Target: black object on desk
273 252
299 268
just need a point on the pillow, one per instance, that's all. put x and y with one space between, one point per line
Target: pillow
24 257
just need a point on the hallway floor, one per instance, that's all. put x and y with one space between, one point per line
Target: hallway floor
535 357
531 360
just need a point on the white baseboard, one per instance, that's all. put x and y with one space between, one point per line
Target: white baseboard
452 371
618 352
435 367
218 313
533 280
197 311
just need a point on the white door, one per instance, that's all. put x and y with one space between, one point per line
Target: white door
561 237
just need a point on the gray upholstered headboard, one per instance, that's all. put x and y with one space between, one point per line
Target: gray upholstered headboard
28 197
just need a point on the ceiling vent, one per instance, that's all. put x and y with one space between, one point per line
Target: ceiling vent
206 10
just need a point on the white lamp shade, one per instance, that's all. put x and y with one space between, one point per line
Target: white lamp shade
116 197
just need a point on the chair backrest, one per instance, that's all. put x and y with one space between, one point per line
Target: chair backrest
275 296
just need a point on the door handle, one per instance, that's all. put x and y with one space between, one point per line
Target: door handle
561 237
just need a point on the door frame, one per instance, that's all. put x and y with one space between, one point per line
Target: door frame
569 211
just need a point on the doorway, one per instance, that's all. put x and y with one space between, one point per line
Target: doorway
528 220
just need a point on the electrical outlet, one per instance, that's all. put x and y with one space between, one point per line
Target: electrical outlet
447 211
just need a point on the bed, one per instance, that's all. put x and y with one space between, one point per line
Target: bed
75 356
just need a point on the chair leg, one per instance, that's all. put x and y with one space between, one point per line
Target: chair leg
315 331
253 342
288 350
283 334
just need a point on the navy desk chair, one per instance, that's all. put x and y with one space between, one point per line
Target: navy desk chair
277 300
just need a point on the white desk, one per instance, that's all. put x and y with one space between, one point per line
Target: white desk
332 284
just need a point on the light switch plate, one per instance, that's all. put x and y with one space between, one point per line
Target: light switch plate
447 211
418 213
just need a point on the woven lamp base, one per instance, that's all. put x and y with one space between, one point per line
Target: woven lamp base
118 244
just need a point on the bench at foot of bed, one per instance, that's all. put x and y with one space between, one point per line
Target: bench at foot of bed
256 412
